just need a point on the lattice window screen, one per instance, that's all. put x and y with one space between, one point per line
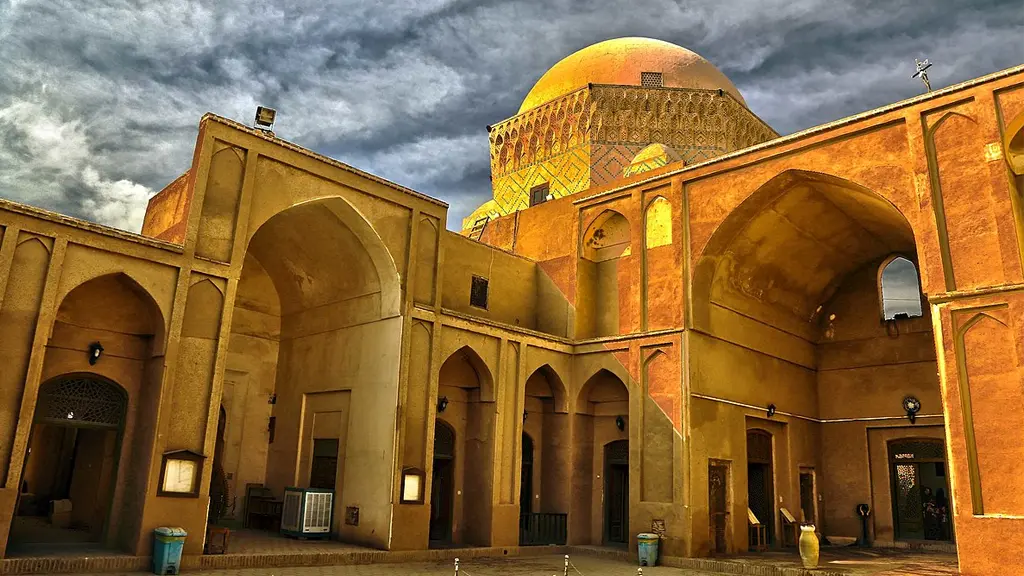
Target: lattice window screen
651 80
759 446
82 400
917 450
617 452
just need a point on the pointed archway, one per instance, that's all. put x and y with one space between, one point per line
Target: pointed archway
601 485
466 410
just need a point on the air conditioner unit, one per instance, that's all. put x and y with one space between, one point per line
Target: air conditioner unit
307 512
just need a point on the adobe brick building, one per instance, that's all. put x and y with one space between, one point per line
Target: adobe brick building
669 318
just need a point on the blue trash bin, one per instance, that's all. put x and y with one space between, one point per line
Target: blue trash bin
647 547
167 546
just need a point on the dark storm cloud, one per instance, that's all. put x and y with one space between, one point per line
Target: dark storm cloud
99 100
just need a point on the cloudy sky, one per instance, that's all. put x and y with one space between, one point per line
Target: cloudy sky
100 100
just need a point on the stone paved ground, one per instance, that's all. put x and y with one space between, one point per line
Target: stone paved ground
864 561
856 563
531 566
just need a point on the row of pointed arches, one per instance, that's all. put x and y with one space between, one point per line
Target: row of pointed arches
553 474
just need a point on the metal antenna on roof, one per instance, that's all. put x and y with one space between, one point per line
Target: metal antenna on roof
922 73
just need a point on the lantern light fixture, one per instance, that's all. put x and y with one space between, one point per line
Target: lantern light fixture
912 406
442 404
95 351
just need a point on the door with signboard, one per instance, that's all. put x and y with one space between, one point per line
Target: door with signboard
920 490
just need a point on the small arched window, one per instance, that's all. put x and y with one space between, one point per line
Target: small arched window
901 289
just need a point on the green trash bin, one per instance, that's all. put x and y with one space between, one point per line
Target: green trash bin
647 547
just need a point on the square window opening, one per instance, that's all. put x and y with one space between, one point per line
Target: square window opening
478 292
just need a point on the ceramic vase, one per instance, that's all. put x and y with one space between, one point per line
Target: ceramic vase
808 547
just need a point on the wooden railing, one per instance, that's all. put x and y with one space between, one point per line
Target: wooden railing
541 529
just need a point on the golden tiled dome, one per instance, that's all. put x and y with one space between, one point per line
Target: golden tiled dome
621 61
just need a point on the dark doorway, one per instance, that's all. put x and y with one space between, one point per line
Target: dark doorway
616 503
70 470
920 491
718 505
807 497
526 477
759 480
442 485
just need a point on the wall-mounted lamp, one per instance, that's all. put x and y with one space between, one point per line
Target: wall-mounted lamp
525 413
95 351
912 406
442 403
771 410
272 399
620 423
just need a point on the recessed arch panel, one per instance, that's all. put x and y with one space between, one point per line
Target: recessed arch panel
607 237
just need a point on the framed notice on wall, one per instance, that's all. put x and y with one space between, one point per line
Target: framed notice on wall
180 474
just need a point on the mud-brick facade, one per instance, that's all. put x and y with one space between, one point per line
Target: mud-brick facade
675 350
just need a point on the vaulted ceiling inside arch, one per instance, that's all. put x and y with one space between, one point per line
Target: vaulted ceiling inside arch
794 245
312 258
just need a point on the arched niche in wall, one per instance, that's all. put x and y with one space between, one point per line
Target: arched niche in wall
220 204
466 404
200 332
663 293
19 308
604 244
426 261
546 421
992 407
600 497
103 372
658 223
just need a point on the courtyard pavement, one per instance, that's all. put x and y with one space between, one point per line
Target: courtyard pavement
853 562
520 566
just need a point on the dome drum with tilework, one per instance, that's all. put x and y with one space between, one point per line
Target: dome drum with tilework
593 117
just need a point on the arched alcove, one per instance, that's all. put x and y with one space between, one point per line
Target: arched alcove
787 314
545 483
603 275
601 418
466 406
318 294
95 415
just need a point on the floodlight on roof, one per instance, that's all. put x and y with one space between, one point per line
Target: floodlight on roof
265 117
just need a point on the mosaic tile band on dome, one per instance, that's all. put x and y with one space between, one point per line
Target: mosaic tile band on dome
688 333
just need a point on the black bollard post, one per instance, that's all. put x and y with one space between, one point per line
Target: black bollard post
863 510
